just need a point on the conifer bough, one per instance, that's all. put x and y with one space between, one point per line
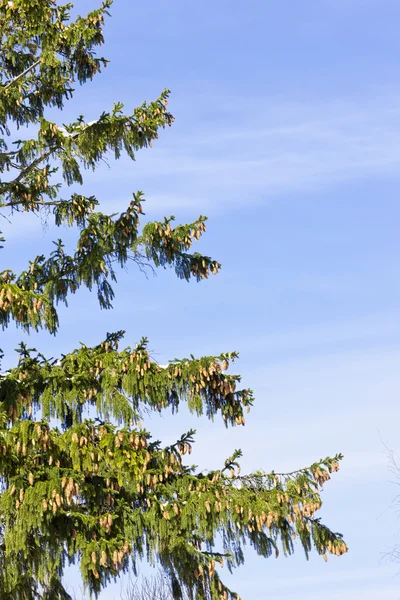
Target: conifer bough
101 492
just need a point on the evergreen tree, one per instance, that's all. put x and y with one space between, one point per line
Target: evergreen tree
100 491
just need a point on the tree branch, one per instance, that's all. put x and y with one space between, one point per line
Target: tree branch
38 202
26 171
10 83
29 168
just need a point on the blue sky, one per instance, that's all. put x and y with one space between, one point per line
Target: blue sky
287 136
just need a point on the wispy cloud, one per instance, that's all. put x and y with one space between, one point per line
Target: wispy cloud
365 592
265 147
368 331
256 149
338 577
305 409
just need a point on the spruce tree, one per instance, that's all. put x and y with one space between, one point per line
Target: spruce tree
101 492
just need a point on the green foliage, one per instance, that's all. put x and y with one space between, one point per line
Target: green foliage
99 491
